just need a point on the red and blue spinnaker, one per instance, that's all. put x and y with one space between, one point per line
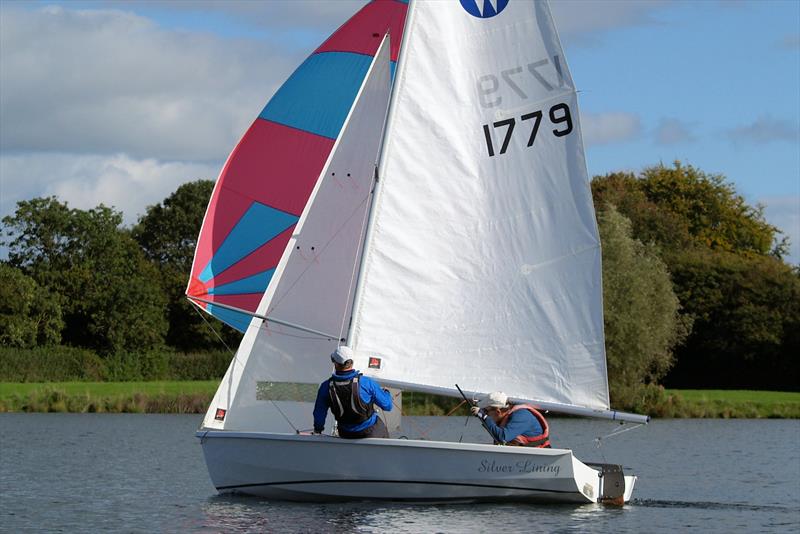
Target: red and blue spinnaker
268 178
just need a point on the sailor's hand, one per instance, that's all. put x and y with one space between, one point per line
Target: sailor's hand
477 412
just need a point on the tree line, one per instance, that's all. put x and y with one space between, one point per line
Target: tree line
696 290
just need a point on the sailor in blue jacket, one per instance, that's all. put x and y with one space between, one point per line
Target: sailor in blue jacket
519 424
351 399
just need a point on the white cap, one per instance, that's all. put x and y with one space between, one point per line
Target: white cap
496 399
341 355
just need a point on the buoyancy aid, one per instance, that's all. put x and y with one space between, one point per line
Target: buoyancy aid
542 440
345 400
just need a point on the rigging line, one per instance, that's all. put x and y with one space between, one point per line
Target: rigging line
324 247
423 434
242 311
236 359
359 251
424 431
203 317
599 439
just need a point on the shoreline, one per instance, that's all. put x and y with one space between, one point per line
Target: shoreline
193 397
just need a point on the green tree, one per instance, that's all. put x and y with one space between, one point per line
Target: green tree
111 296
716 215
747 321
167 233
642 320
29 314
725 262
682 206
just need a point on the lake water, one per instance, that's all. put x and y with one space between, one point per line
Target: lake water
145 473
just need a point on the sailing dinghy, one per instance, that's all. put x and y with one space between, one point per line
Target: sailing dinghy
435 217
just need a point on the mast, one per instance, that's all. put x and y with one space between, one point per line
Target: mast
356 308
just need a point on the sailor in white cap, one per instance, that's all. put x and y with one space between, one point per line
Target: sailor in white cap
351 398
518 424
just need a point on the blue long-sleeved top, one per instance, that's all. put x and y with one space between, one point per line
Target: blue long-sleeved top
368 390
521 422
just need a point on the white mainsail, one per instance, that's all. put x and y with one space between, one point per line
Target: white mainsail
482 264
314 282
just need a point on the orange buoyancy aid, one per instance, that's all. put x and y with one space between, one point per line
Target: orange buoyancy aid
542 440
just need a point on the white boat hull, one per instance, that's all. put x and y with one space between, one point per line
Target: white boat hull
324 468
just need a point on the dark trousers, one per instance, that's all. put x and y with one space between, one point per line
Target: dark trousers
378 430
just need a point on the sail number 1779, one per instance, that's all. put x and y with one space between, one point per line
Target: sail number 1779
559 116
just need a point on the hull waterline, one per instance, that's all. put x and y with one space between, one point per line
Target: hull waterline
324 468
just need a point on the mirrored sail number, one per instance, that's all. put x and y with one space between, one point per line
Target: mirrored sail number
490 85
559 115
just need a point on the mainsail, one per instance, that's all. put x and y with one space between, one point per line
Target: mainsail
268 178
482 266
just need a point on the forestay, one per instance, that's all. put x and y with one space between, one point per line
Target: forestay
314 281
482 264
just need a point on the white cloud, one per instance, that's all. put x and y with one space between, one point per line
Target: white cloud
766 130
673 131
87 180
784 212
608 128
281 15
107 81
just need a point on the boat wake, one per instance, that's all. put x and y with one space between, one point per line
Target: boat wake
705 505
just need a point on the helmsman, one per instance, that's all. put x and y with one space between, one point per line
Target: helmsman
518 424
351 398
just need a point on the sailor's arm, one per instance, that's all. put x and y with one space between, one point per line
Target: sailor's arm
516 425
500 434
321 407
380 396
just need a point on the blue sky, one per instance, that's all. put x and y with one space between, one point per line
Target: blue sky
119 101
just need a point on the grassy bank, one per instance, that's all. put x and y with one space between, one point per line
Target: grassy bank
194 397
728 404
112 397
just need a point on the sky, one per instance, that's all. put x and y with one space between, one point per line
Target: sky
120 102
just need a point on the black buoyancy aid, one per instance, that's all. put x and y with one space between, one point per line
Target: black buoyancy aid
542 440
345 399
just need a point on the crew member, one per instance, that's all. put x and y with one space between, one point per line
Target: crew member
520 424
351 397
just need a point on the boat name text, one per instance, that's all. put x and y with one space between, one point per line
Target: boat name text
523 466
